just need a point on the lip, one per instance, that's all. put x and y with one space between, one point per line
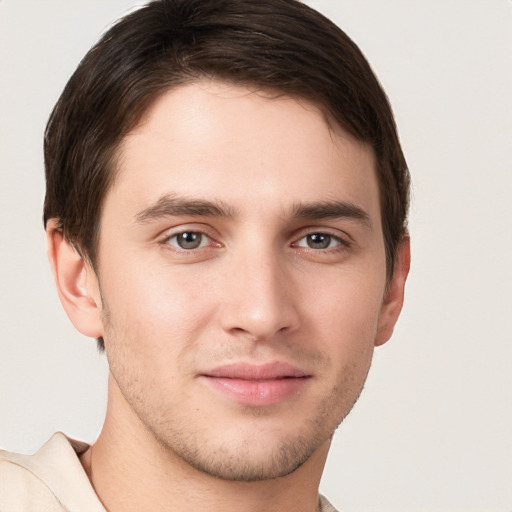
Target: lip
256 384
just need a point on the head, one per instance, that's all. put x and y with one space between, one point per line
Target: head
281 46
278 61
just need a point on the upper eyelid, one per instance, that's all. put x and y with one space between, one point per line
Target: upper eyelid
341 242
173 235
166 241
334 232
214 235
187 228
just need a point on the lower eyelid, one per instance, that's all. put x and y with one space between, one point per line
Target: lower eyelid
341 241
205 240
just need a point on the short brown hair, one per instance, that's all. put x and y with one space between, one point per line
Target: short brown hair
280 45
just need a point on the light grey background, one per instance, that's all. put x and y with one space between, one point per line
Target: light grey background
433 429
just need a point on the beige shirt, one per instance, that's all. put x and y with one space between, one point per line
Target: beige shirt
53 480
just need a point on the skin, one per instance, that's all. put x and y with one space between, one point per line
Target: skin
277 277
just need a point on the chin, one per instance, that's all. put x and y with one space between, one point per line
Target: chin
249 463
248 455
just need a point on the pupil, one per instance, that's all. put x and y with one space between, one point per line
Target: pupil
189 240
319 241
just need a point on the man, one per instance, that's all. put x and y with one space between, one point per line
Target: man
226 213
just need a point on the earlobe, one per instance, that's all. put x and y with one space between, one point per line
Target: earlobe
394 297
76 281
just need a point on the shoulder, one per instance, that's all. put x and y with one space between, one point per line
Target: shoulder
52 479
20 488
325 506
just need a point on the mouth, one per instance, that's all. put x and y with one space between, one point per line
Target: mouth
256 385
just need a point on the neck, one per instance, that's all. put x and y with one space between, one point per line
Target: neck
145 476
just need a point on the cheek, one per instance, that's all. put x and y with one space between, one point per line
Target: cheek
151 310
349 307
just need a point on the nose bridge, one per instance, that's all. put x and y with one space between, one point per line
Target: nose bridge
259 298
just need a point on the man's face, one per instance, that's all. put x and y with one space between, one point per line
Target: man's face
242 275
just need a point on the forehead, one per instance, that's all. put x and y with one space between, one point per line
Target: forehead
247 148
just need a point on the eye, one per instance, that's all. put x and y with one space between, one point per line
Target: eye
319 241
188 240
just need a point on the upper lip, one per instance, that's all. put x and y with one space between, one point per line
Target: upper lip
251 371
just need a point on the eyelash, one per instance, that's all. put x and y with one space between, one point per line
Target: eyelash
167 240
340 243
206 240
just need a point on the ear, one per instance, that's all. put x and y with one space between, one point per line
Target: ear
394 296
77 284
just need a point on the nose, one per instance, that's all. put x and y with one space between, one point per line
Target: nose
261 298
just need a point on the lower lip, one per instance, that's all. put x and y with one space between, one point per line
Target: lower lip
257 392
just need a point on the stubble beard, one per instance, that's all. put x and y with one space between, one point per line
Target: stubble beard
244 460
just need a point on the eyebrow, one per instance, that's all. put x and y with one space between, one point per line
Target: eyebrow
331 210
171 205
